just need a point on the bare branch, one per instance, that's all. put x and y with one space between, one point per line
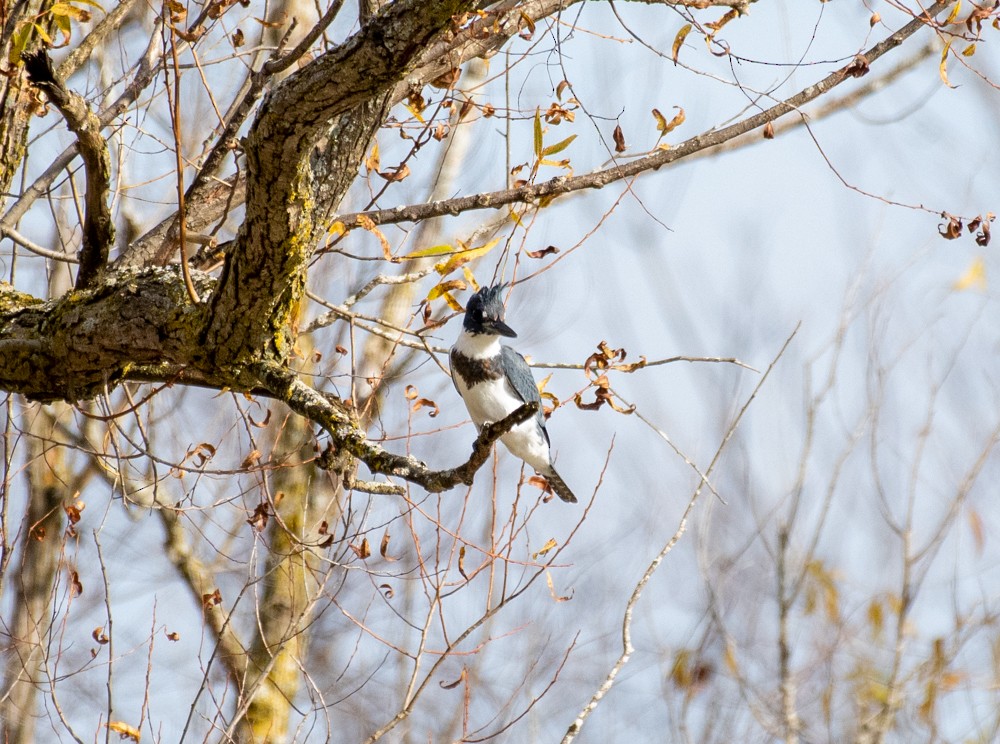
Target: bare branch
98 225
24 242
627 648
533 193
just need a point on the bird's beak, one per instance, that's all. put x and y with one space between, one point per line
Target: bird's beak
501 328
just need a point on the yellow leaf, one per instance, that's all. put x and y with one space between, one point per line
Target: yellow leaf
680 673
538 133
71 11
20 37
124 730
439 290
434 250
552 589
679 41
64 24
558 146
973 278
415 111
954 13
943 67
337 229
463 257
43 34
969 50
676 121
661 120
543 382
453 303
549 544
373 161
528 22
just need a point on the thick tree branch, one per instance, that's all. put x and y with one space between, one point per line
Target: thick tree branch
84 343
98 225
264 274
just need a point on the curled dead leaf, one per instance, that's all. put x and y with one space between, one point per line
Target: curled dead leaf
448 79
258 520
542 252
211 600
603 358
950 229
858 68
383 549
362 551
426 403
675 49
398 173
456 683
76 587
619 138
251 459
263 424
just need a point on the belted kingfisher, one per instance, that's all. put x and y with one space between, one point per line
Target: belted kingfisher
494 381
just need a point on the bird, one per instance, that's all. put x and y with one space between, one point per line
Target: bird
494 381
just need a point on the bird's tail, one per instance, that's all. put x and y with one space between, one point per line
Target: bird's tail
559 485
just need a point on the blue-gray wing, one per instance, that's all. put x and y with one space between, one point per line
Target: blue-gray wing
522 382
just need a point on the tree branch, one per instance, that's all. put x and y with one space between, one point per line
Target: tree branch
264 274
534 193
335 419
98 226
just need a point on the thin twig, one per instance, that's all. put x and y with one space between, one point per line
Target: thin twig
175 120
24 242
627 648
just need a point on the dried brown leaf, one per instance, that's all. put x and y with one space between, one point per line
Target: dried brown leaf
858 68
541 253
